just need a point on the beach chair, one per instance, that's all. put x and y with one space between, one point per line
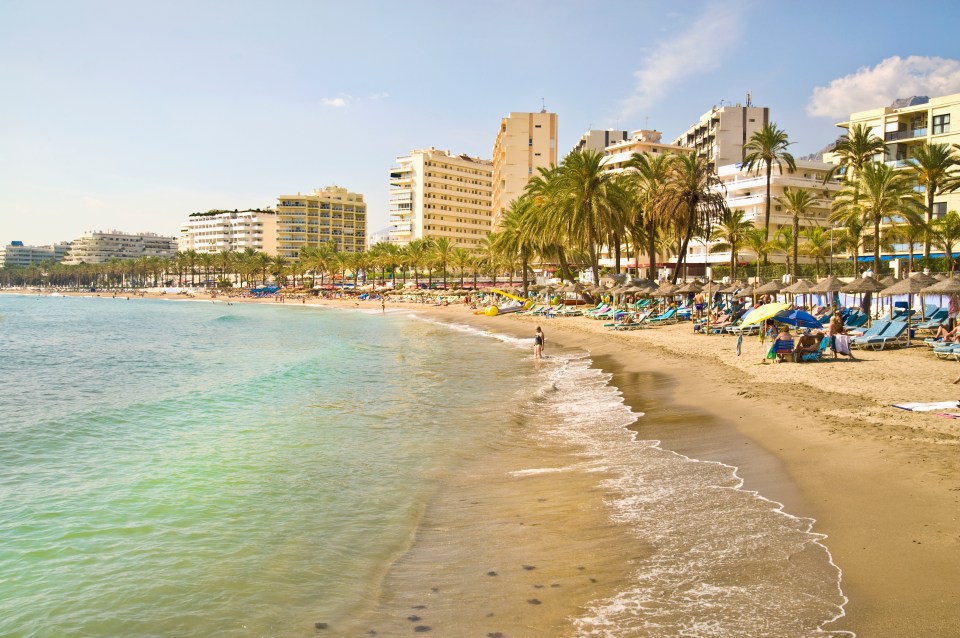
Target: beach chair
876 329
935 320
895 334
781 348
816 356
855 320
947 351
667 317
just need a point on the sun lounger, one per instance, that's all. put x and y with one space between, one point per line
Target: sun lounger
876 329
667 317
937 319
947 351
895 334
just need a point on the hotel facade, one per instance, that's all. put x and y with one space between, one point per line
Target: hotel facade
435 194
906 125
99 247
332 214
721 133
18 255
217 231
524 143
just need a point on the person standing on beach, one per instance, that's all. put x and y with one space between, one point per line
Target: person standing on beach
538 340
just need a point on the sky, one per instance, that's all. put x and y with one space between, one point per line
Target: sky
132 115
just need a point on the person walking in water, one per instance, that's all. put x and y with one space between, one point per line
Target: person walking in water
538 340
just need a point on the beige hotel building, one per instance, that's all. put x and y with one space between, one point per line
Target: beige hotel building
906 125
329 214
722 132
435 194
525 142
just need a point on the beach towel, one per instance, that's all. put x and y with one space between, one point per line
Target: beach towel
841 344
927 407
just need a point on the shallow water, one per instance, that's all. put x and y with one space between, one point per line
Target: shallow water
197 469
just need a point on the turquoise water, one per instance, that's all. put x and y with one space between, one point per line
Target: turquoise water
197 469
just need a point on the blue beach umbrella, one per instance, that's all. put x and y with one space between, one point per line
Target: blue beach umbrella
798 318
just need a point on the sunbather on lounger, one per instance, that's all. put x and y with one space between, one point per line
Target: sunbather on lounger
806 344
948 336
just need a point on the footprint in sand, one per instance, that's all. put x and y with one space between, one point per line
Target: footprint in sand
529 567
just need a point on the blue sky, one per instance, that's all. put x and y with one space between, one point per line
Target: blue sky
131 115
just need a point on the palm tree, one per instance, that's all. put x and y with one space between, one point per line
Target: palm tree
650 175
697 199
817 245
931 165
765 148
279 266
588 203
553 240
732 230
441 251
946 233
755 241
799 202
784 243
513 238
880 192
417 251
911 235
460 258
850 237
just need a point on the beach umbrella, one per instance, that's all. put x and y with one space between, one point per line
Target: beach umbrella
799 318
828 284
733 287
945 287
772 286
692 286
863 285
762 313
800 286
889 280
940 276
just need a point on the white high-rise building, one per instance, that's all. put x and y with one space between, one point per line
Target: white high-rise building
98 247
722 132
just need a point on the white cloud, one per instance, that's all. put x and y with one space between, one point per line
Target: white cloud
336 102
697 50
379 96
92 202
893 78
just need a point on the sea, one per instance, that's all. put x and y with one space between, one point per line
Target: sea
197 469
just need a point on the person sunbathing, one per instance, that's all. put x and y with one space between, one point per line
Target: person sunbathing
806 344
948 336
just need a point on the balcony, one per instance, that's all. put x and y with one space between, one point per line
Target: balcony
893 136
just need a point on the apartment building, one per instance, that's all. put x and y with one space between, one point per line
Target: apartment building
434 194
524 143
219 230
746 191
909 123
98 247
618 153
329 214
721 133
18 255
599 140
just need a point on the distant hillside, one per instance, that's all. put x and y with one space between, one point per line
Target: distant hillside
818 156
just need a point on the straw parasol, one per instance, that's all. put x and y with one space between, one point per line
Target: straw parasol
863 285
733 287
940 276
828 284
914 284
799 287
666 290
889 280
945 287
771 286
692 286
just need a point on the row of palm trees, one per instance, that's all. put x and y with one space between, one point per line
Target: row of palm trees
659 203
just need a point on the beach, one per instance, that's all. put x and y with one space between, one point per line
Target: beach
821 438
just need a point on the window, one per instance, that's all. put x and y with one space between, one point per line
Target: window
939 209
530 143
941 123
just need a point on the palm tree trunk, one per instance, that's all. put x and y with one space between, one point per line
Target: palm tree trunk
652 252
766 229
796 244
876 247
564 270
926 241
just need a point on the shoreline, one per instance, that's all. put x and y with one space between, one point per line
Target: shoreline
882 484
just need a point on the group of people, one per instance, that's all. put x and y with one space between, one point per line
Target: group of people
809 341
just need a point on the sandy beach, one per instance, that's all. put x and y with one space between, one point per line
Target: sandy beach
822 438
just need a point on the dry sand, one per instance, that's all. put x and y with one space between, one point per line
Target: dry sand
882 483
